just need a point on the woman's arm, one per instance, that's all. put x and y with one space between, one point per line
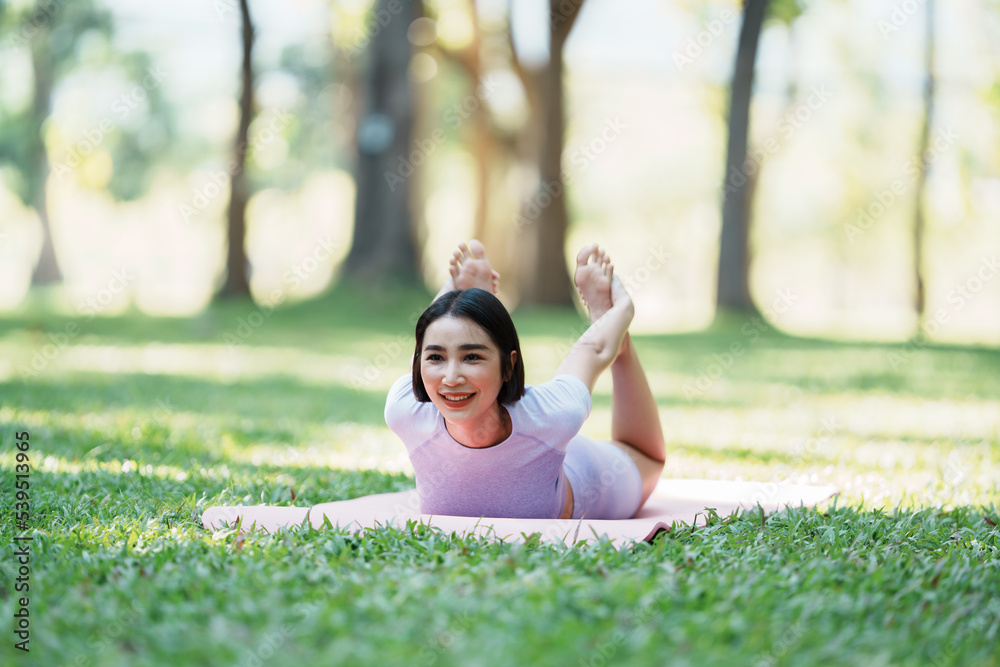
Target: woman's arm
599 345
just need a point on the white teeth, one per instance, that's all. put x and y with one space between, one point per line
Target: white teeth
457 399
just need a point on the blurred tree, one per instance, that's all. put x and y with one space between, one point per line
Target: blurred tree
50 32
785 13
47 269
734 253
483 144
321 137
54 35
457 111
920 299
383 248
142 143
237 269
541 270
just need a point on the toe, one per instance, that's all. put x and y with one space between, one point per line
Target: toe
585 253
476 249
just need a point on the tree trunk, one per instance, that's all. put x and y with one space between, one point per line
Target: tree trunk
237 269
542 275
483 155
482 146
734 247
47 270
383 248
483 149
925 135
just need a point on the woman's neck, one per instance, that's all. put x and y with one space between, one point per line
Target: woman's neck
492 430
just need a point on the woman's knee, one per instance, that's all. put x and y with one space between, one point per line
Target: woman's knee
649 469
651 477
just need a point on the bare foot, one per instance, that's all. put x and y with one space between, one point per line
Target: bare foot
469 268
593 278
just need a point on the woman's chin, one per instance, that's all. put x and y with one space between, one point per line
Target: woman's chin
469 412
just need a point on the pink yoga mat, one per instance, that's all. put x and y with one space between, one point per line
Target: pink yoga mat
674 500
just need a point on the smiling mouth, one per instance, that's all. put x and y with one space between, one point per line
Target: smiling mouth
454 398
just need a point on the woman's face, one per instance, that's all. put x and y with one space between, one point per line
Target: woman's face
461 369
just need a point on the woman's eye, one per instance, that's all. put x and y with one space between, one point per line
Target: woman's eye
472 357
433 357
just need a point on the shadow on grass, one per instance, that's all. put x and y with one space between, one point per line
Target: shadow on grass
744 455
174 420
336 317
823 366
672 401
269 397
334 323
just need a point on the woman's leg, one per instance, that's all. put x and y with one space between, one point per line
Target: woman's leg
468 268
635 419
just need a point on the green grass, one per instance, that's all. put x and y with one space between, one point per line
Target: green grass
138 424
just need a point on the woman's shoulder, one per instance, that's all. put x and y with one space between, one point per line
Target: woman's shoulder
401 391
553 411
561 393
403 412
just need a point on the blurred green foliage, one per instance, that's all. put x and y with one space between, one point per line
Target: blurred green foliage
75 39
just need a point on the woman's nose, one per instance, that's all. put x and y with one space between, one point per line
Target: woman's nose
453 374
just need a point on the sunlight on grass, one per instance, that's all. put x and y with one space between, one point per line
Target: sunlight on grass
773 414
137 426
213 362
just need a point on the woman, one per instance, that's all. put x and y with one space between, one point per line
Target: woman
482 444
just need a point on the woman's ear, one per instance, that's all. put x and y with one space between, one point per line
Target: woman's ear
510 371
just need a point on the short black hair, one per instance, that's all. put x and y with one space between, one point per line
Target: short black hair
484 309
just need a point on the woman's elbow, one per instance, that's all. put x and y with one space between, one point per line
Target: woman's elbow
597 355
604 357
